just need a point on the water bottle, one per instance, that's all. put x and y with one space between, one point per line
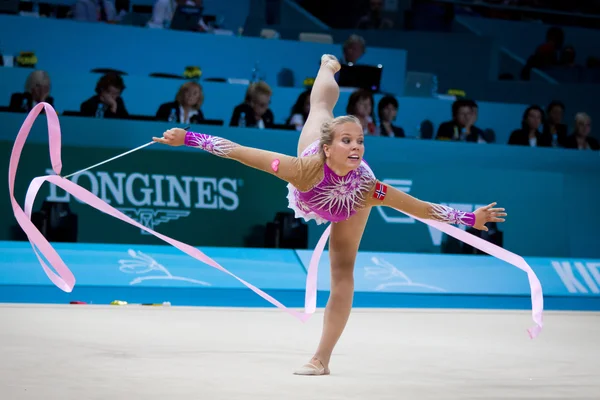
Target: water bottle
434 86
100 111
242 123
173 116
255 73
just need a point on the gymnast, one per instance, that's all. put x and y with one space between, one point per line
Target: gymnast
330 182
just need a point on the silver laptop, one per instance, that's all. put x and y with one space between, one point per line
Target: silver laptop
420 84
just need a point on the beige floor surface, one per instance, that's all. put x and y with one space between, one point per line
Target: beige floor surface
108 352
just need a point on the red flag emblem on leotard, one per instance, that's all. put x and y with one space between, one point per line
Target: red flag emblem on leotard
380 191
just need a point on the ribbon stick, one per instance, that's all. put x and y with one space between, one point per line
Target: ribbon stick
64 279
109 160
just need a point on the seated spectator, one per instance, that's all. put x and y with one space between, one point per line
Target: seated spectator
529 134
580 139
555 132
547 54
37 90
387 109
186 107
360 104
461 127
374 19
300 110
484 136
254 111
163 11
107 103
94 11
354 48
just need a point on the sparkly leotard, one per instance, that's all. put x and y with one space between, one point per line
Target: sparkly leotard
315 191
334 198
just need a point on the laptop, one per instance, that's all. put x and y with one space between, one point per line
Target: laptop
420 84
361 76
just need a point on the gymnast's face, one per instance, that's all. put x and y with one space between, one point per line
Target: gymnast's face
347 149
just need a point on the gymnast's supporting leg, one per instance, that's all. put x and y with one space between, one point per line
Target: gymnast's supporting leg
323 97
343 247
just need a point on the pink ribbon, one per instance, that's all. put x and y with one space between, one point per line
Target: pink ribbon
537 297
64 279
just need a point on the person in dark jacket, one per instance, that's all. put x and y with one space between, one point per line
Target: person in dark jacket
387 109
555 132
529 134
461 128
107 103
580 139
186 107
37 90
254 111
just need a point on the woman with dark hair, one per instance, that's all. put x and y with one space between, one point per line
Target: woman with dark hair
107 103
529 134
360 105
387 110
300 110
186 107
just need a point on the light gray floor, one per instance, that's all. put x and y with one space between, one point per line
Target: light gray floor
110 352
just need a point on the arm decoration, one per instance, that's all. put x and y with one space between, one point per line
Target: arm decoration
213 144
450 215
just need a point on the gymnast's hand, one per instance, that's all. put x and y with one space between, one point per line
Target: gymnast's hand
488 214
172 137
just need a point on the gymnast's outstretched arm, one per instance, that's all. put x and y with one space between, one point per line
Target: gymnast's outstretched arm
385 195
285 167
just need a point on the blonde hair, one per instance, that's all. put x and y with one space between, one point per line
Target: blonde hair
37 77
582 117
259 87
185 88
328 130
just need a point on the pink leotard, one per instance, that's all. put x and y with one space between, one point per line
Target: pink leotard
335 198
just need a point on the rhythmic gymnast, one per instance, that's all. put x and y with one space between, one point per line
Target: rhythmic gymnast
330 182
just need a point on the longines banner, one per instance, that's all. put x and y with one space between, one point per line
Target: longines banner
191 196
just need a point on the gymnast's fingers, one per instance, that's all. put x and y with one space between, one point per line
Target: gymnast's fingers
159 140
490 206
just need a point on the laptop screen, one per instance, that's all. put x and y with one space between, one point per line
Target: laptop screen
361 76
